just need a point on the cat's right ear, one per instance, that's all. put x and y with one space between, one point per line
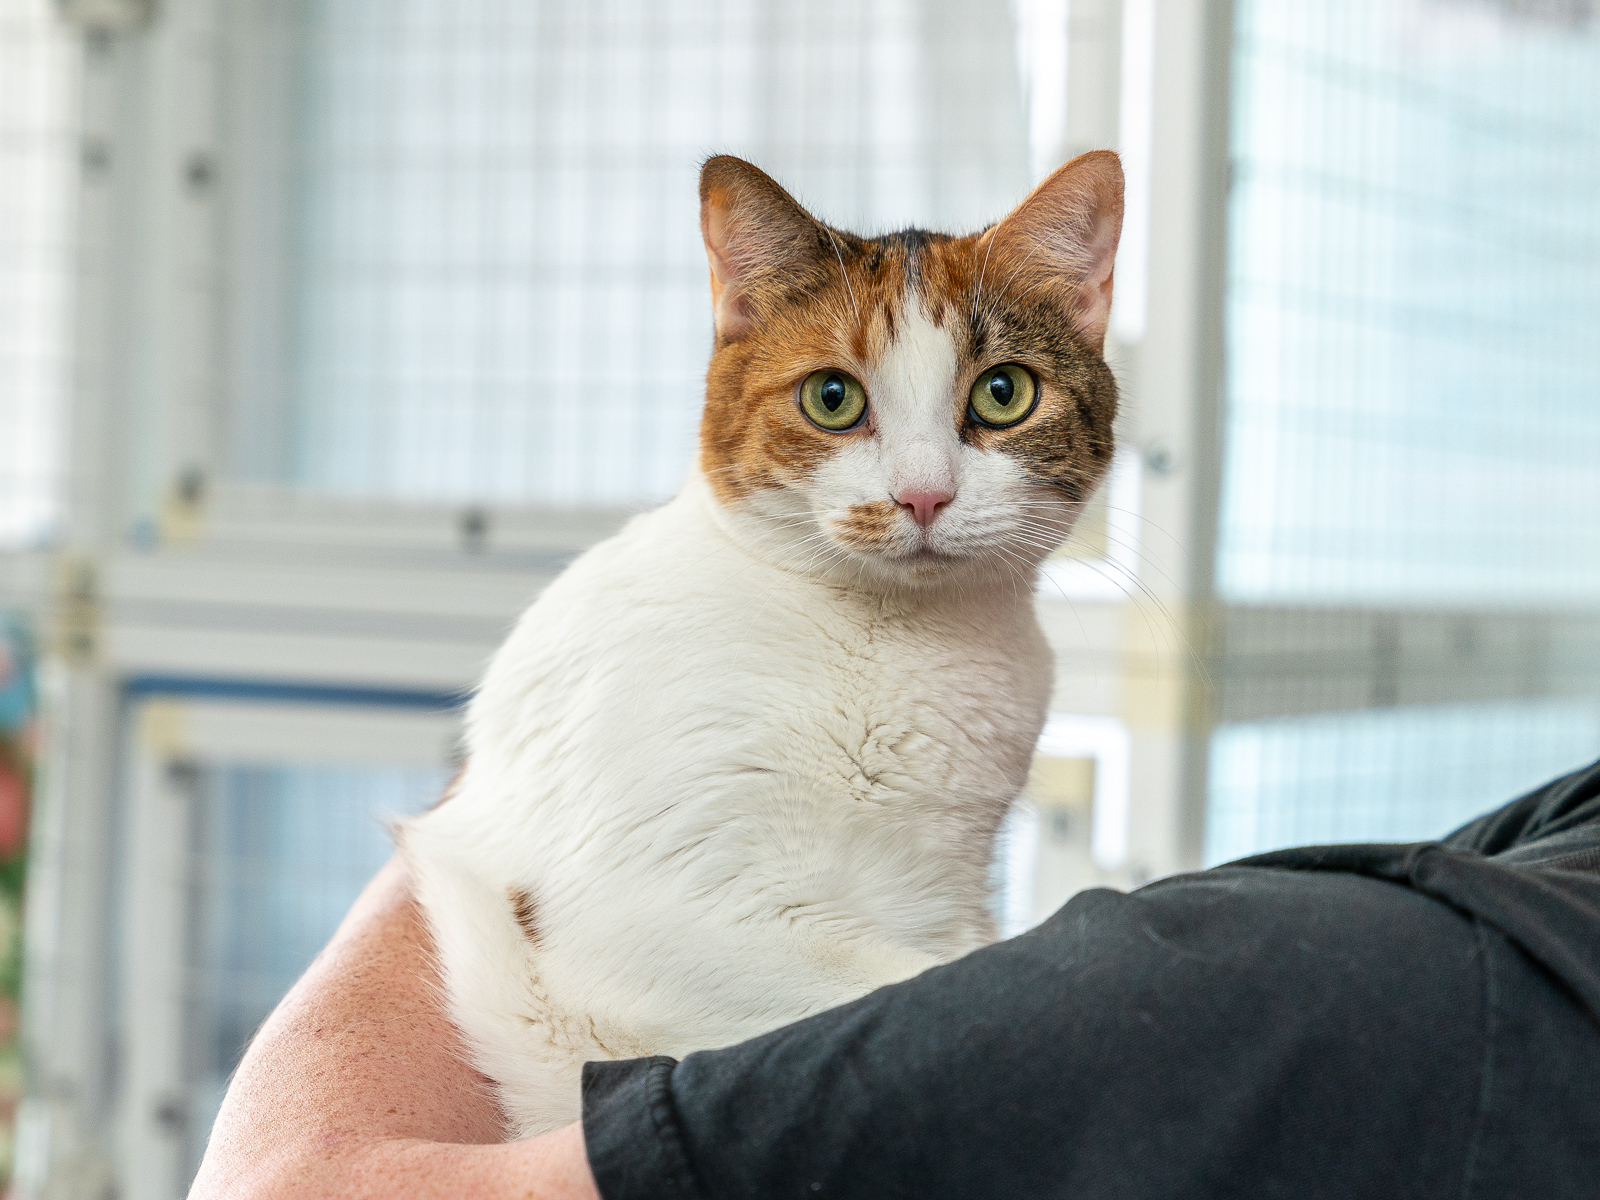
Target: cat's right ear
760 243
1063 238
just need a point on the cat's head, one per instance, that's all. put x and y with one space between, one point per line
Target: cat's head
916 407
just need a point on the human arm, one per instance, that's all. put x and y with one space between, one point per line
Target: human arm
356 1085
1241 1032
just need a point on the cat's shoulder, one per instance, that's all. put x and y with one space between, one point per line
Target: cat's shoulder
653 547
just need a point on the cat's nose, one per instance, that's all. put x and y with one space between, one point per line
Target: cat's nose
923 506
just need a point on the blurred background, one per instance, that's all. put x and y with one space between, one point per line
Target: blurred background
291 293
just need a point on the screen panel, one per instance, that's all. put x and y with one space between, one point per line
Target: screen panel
463 240
40 154
278 853
1413 384
1380 775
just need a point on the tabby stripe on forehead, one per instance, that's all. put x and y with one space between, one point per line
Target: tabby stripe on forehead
977 335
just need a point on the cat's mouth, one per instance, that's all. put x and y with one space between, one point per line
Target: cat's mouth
922 559
923 554
882 531
880 528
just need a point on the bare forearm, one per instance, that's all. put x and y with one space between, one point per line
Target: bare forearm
551 1167
356 1086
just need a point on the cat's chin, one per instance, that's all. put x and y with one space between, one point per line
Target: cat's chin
924 565
923 570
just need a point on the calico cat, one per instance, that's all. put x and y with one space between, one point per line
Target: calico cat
746 760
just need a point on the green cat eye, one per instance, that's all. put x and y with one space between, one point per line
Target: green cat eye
833 400
1003 395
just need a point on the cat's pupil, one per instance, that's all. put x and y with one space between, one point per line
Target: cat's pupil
832 393
1001 388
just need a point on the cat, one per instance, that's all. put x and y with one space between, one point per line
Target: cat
746 760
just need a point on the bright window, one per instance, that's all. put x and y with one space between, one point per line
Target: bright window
465 237
1413 397
1385 775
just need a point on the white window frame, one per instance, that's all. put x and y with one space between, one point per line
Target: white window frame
169 738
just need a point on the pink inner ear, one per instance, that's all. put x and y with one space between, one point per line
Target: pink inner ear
714 230
1094 293
1066 231
729 311
755 236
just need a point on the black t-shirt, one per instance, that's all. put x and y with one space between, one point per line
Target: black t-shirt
1342 1021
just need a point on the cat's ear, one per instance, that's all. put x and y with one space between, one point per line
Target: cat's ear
1064 237
760 243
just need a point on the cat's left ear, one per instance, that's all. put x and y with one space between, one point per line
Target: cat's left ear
1064 237
762 246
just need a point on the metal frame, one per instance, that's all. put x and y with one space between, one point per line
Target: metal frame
172 741
1153 641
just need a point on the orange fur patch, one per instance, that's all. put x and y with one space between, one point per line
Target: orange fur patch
752 433
870 526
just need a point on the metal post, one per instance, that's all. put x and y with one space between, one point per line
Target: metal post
1173 396
63 1147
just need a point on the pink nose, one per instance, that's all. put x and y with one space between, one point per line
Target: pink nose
923 506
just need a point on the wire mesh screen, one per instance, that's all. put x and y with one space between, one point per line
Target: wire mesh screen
1413 374
464 240
38 171
1406 774
279 853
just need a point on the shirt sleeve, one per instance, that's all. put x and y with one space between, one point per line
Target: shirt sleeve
1241 1032
1539 823
631 1129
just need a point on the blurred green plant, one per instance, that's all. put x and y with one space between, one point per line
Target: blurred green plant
18 741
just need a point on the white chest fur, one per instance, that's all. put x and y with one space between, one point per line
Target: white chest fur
706 796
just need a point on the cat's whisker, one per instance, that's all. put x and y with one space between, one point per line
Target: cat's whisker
1148 523
834 242
1144 562
1133 514
1141 594
1021 569
1005 289
977 294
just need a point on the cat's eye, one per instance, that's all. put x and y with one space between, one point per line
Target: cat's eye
833 400
1003 395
